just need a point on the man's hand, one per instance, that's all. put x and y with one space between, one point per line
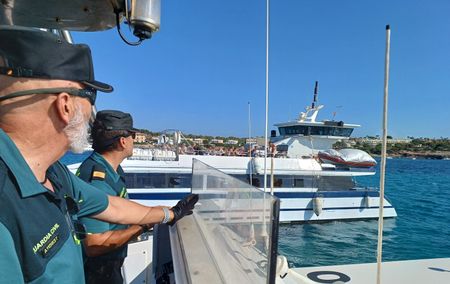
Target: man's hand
183 208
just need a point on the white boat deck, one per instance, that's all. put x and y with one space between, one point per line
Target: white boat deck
422 271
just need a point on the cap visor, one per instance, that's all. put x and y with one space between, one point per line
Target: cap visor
99 86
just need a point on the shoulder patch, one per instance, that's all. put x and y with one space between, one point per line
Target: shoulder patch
98 173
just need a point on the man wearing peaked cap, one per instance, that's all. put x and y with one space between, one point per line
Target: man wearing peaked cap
106 244
47 90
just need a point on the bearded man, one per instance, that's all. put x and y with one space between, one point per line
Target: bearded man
47 90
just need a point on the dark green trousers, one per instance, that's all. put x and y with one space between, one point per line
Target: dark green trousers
99 272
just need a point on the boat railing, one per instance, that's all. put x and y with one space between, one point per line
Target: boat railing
172 153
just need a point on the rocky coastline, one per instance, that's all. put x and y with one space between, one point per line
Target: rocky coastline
441 155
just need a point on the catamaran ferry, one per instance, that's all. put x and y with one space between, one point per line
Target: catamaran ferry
313 182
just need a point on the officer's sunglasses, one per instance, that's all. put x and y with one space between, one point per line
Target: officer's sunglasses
78 229
132 134
88 93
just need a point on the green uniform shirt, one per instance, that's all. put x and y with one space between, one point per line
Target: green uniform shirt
99 173
37 243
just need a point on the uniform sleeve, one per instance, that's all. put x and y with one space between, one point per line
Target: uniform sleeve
94 226
10 270
103 186
91 201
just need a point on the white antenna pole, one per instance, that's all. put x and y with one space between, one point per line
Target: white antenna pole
249 122
383 154
250 145
267 95
264 228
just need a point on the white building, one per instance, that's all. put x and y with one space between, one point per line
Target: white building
140 137
198 141
216 141
232 142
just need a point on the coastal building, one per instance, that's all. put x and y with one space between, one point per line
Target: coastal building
198 141
259 141
250 141
374 142
140 138
216 141
231 142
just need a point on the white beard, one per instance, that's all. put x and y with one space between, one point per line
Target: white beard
77 131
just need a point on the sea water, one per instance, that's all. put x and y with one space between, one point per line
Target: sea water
420 192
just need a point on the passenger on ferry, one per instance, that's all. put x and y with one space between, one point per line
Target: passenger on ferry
254 151
47 90
182 149
106 243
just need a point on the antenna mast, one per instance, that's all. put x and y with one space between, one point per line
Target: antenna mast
316 88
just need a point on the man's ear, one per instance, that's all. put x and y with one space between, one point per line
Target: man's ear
64 107
123 142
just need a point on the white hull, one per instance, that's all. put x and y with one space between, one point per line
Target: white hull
296 203
294 208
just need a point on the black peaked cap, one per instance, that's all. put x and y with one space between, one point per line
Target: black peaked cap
32 53
114 120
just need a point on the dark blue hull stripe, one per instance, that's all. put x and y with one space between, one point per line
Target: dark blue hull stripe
334 208
157 196
178 195
324 194
291 209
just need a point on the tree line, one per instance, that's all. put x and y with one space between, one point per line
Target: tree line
416 146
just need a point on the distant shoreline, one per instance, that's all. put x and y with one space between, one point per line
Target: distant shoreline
438 155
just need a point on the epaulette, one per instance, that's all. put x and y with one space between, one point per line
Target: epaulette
98 172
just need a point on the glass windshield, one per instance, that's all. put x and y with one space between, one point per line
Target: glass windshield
236 228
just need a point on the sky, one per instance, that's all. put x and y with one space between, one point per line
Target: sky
198 73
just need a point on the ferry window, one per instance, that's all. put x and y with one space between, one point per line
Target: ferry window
321 130
256 182
335 183
157 180
293 130
316 130
243 178
288 181
299 182
303 130
278 182
282 148
346 132
338 131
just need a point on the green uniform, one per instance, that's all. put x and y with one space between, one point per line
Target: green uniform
99 173
37 239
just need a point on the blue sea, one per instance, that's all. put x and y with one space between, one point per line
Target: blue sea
420 192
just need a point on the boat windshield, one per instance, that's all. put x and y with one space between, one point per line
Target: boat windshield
236 227
315 130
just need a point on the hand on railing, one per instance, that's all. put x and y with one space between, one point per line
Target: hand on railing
183 208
